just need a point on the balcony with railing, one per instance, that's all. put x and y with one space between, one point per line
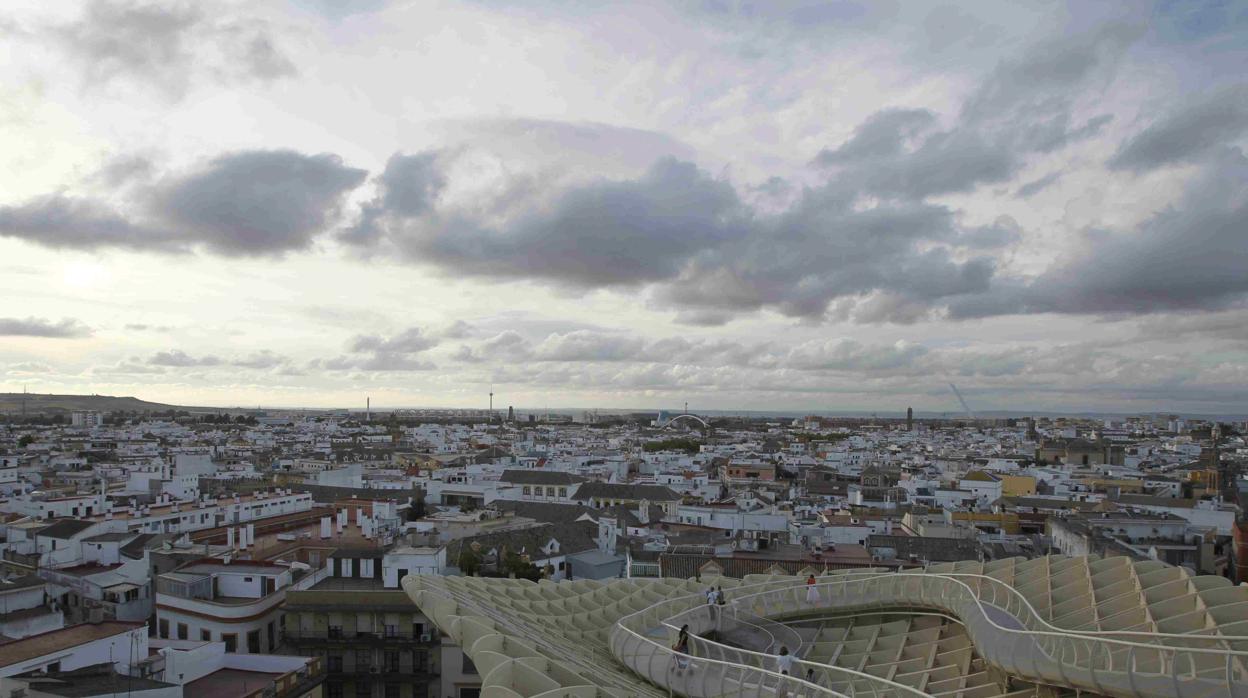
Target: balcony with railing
333 636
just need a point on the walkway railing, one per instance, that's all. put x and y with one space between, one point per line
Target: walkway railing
644 641
1006 630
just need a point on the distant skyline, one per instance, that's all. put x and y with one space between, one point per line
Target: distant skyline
772 205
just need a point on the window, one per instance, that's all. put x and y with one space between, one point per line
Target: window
333 663
467 666
392 631
363 659
333 690
205 635
392 660
182 631
253 642
550 491
392 690
335 631
563 491
418 629
527 491
163 624
363 689
231 641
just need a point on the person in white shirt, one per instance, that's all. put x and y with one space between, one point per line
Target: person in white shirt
784 665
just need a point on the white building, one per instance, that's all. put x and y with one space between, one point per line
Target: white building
238 604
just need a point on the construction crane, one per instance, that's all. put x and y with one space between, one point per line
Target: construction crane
962 400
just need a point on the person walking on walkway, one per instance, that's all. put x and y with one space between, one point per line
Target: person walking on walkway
784 665
681 648
812 592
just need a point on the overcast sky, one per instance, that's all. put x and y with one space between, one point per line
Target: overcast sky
740 204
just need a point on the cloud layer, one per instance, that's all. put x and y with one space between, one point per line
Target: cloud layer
814 203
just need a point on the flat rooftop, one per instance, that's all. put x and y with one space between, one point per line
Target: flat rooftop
228 682
36 646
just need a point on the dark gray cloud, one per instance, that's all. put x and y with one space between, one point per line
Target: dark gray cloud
882 135
257 202
707 253
1024 106
246 203
1189 256
1189 132
39 327
1041 83
60 221
826 249
143 327
405 189
894 154
605 233
167 45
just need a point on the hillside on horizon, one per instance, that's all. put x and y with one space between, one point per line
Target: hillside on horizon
35 403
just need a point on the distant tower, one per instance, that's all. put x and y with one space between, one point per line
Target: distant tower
491 405
511 413
1032 434
368 409
909 419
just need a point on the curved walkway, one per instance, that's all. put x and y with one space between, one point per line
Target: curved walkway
1005 629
